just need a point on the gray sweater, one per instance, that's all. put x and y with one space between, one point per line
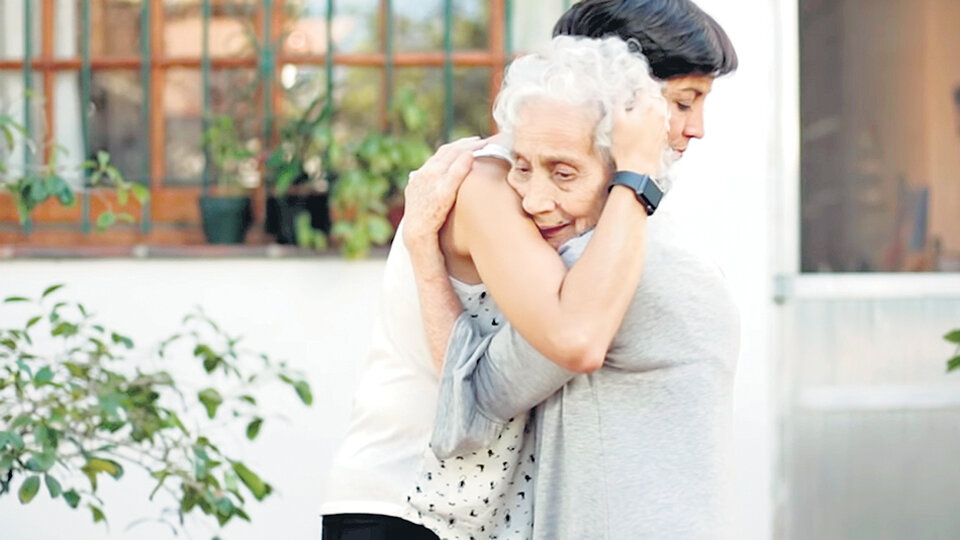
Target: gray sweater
636 449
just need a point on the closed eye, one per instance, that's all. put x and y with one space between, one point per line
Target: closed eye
521 168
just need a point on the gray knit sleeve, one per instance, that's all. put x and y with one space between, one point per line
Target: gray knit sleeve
487 381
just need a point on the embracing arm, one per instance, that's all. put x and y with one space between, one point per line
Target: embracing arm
430 193
439 303
569 316
487 380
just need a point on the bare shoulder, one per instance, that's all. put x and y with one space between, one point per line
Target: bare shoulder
486 185
483 191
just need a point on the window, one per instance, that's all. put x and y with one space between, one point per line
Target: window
880 139
138 79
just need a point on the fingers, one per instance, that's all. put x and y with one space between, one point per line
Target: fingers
445 156
459 170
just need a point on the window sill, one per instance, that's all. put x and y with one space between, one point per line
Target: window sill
144 251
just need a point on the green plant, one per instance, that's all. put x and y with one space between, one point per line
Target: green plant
73 406
233 160
954 337
304 142
33 185
307 236
372 175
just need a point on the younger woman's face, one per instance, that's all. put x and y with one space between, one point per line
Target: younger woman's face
557 172
685 96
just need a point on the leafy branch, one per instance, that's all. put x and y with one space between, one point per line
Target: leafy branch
74 407
954 337
31 185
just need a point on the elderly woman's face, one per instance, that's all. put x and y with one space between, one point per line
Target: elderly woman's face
557 172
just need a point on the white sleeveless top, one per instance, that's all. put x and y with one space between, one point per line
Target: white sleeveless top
394 404
385 451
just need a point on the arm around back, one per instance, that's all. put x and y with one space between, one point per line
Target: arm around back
569 316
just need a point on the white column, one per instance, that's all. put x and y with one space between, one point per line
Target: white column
11 82
68 127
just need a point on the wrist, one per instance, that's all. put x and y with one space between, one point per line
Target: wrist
639 166
418 237
424 248
645 189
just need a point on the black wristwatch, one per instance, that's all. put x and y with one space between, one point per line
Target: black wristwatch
647 190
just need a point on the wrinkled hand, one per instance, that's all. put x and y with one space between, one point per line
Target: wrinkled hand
432 190
640 135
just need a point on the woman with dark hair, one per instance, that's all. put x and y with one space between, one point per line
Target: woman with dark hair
509 244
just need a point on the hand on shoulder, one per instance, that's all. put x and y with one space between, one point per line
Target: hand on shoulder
432 190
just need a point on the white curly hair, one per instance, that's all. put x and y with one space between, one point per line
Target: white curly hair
604 73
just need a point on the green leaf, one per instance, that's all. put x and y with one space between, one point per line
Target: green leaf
53 486
123 196
953 363
50 290
44 376
94 466
121 340
41 462
29 489
33 321
249 399
210 399
59 187
22 420
953 337
6 464
253 428
140 193
72 498
303 390
253 482
12 299
105 220
64 329
97 514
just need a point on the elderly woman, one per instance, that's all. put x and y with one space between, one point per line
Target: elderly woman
560 108
635 449
571 316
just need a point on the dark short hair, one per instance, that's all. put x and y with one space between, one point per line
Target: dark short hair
676 36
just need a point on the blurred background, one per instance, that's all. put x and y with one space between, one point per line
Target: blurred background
827 189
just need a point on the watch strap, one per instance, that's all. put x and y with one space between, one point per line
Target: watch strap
647 190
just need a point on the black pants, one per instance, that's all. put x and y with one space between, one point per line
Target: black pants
372 527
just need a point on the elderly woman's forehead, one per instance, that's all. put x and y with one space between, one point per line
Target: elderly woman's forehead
540 108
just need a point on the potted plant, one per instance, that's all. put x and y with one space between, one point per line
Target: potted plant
367 200
31 186
226 209
298 176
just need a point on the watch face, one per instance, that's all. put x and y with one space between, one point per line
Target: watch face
647 190
652 192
